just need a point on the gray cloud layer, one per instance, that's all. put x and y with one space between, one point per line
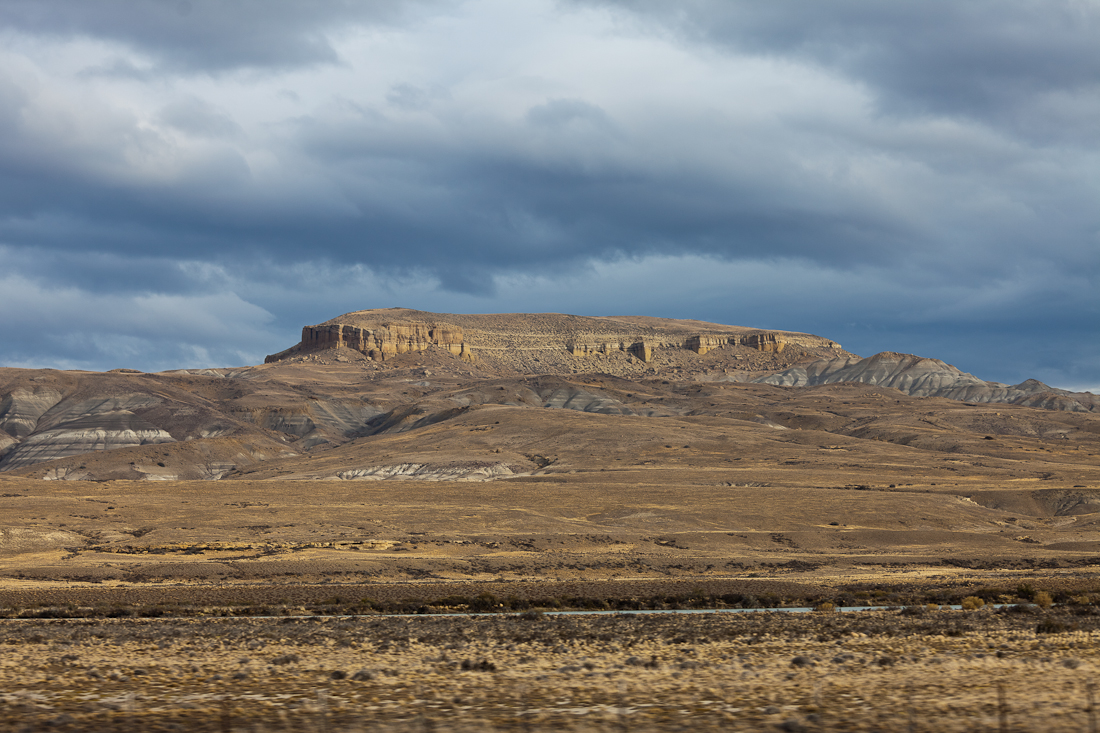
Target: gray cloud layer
204 36
909 176
985 59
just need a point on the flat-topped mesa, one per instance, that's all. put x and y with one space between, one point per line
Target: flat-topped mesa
384 342
513 338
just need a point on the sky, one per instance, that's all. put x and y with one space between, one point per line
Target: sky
188 183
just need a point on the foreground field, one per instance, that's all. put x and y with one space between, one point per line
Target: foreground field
877 670
138 606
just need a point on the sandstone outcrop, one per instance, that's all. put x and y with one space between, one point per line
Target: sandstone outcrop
642 350
384 333
769 342
703 343
383 342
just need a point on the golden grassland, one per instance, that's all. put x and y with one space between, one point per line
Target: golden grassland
920 670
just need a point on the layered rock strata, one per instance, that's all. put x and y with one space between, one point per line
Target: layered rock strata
380 343
169 425
382 334
45 426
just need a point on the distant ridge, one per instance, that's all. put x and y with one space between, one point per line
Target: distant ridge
921 377
528 344
486 397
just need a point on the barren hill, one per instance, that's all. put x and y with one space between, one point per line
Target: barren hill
922 377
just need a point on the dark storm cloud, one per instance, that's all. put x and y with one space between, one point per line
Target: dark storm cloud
464 210
565 181
147 321
104 271
204 35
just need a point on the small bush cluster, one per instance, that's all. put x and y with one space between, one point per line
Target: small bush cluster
481 665
1053 626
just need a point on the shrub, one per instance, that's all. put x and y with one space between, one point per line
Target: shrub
972 603
825 607
484 602
1043 599
482 665
1050 626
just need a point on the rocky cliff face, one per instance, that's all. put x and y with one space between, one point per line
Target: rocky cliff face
383 334
702 343
383 342
769 342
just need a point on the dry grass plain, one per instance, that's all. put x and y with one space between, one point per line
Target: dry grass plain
163 583
865 671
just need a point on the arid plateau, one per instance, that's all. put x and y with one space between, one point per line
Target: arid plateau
274 547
